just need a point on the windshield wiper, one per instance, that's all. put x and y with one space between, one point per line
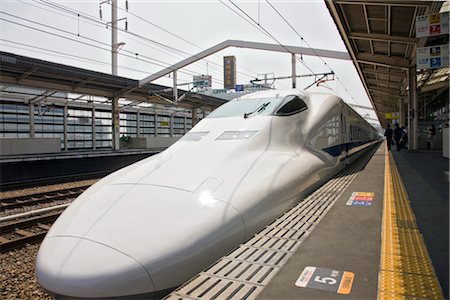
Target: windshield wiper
258 110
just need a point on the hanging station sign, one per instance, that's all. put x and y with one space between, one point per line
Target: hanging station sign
431 25
432 57
392 115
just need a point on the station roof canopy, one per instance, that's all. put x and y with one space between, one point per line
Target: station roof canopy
21 70
380 38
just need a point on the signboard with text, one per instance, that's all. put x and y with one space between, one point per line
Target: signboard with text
432 57
392 115
431 25
202 80
229 72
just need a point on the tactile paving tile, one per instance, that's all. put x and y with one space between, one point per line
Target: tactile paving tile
405 249
406 269
392 296
244 272
410 285
407 264
404 235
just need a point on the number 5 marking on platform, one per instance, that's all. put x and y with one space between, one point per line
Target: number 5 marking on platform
327 280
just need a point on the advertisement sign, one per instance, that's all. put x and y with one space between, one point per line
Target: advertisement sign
432 25
229 72
432 57
202 80
392 115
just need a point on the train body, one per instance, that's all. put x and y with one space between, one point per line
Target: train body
149 227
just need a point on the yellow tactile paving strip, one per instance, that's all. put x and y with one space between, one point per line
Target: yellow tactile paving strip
406 271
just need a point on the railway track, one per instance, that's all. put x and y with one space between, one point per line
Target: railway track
20 233
41 198
20 229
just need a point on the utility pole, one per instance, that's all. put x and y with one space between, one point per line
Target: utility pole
114 45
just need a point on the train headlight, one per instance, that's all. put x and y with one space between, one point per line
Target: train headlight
194 136
236 135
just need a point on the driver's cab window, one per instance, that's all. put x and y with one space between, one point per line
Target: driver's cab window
291 105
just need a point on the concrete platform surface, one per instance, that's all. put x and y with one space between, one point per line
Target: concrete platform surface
423 175
347 239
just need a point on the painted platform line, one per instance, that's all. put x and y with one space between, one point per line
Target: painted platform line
406 271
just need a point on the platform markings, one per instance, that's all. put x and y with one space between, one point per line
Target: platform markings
361 199
246 271
340 282
406 271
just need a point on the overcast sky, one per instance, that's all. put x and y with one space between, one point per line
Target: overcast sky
183 28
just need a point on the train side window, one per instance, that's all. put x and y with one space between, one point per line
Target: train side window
291 105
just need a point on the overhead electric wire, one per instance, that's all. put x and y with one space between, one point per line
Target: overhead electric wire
266 32
167 47
321 58
161 63
65 55
165 64
183 39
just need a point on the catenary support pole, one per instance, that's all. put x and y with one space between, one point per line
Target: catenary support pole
114 37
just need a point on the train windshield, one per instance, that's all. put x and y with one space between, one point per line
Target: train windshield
247 107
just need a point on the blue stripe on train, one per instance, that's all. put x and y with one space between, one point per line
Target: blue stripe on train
338 149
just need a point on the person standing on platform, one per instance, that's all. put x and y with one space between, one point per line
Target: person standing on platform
430 136
398 133
404 139
388 134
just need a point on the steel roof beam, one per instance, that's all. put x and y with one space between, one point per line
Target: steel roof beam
25 75
378 81
382 38
361 106
382 60
391 92
247 45
335 14
384 3
381 72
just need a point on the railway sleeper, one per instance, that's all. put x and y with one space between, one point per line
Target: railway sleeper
23 232
20 242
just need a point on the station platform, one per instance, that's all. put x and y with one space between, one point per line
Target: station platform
357 237
22 171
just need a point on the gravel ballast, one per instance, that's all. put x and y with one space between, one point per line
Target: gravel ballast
17 279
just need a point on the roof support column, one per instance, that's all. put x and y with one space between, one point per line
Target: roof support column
171 125
175 89
66 113
294 72
138 124
194 115
94 138
401 110
31 119
156 124
115 124
412 101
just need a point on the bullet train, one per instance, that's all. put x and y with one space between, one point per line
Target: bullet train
149 227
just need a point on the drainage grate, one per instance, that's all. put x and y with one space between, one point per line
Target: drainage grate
243 273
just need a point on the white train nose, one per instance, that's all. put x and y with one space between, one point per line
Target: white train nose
79 267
